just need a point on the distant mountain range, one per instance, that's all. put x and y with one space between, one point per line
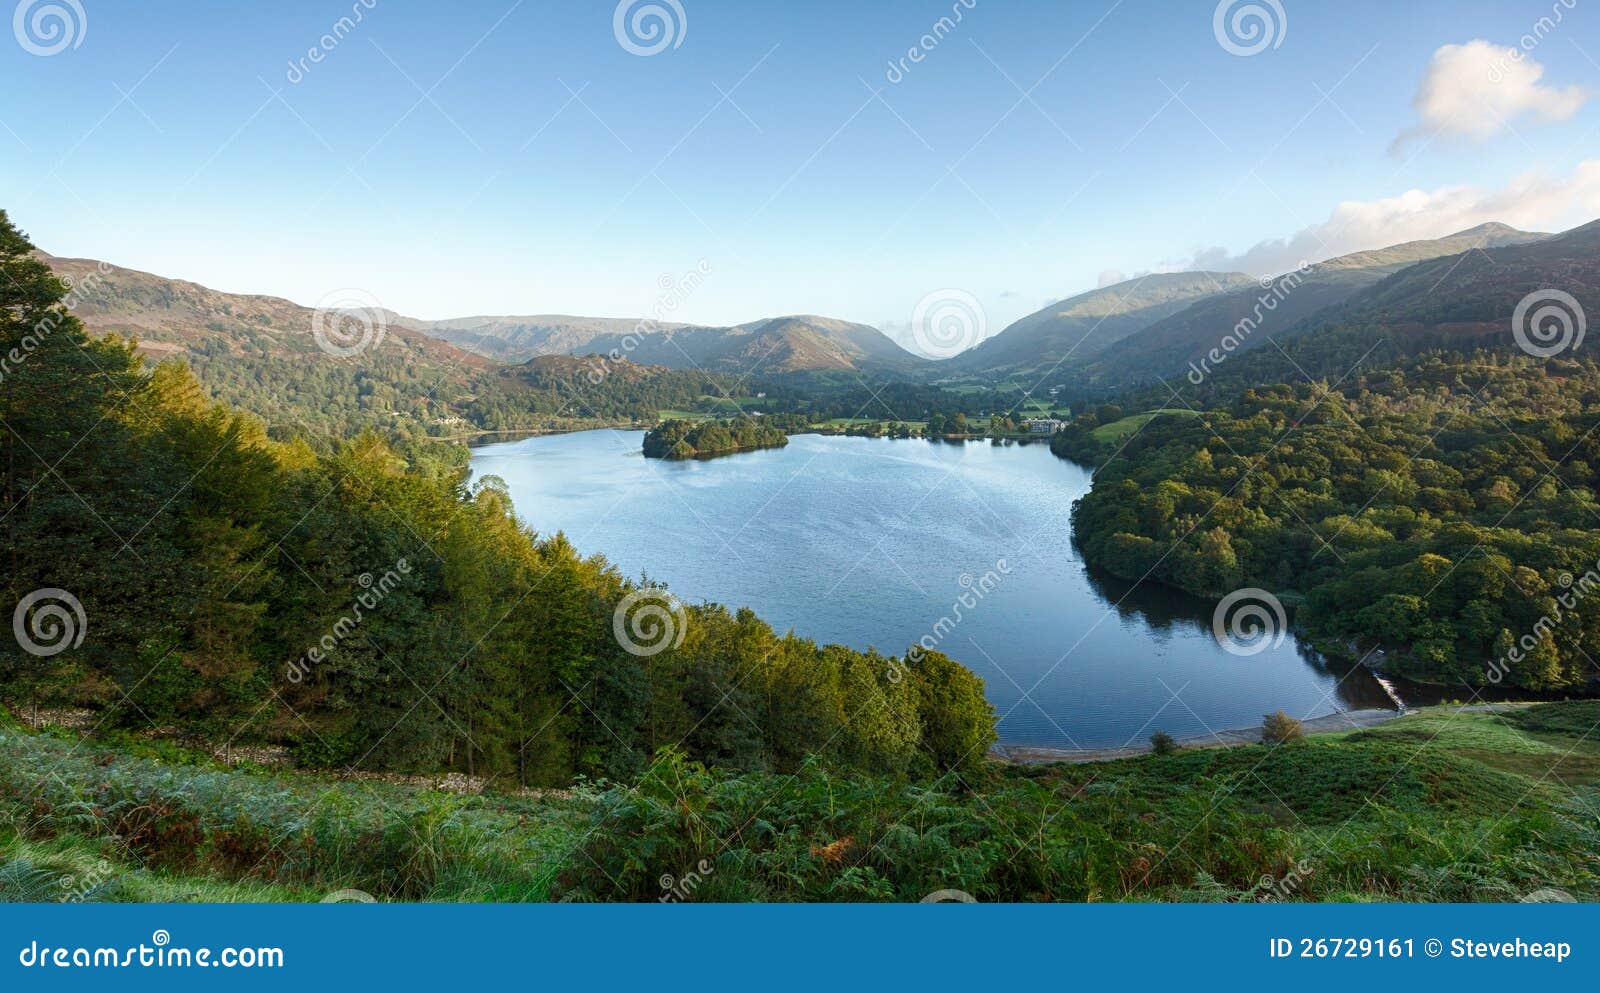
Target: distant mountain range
260 353
1155 325
773 346
1282 309
177 317
1100 341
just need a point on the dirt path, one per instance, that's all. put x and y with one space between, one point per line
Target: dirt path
1349 720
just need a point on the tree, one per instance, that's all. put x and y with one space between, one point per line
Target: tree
1280 729
956 717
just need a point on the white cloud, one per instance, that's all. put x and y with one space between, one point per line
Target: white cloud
1532 202
1477 90
1110 277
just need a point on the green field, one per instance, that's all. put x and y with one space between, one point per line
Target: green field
1118 431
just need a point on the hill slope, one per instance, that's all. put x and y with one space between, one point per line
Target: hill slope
1459 302
260 353
1280 310
1083 326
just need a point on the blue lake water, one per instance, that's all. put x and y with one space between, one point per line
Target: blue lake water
870 542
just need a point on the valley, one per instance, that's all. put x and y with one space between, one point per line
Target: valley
879 579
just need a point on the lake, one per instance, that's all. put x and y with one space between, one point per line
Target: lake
870 542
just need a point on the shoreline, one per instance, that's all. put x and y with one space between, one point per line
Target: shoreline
1345 720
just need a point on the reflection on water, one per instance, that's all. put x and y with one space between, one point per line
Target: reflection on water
1162 608
869 542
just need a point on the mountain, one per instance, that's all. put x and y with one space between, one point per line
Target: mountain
1288 305
261 353
1476 293
1459 302
177 317
518 339
803 343
1083 326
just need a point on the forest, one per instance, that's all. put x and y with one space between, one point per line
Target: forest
680 439
287 646
357 605
1440 509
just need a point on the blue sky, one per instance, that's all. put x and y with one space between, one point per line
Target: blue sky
495 157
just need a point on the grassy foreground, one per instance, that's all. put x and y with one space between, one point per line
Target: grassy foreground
1440 805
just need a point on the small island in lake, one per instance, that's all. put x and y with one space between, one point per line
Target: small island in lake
704 439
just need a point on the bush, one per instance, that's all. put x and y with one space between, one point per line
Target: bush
1281 729
1163 743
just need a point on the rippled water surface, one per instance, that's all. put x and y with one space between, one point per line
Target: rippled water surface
867 542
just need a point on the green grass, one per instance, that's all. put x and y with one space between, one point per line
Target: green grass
1035 407
1552 744
71 868
1438 805
311 833
1118 431
1324 782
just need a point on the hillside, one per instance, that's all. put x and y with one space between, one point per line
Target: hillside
1459 302
1473 296
261 353
1492 811
774 346
1289 305
1085 325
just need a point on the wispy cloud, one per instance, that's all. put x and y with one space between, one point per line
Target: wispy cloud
1532 201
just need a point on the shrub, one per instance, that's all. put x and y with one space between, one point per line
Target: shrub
1163 743
1281 729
